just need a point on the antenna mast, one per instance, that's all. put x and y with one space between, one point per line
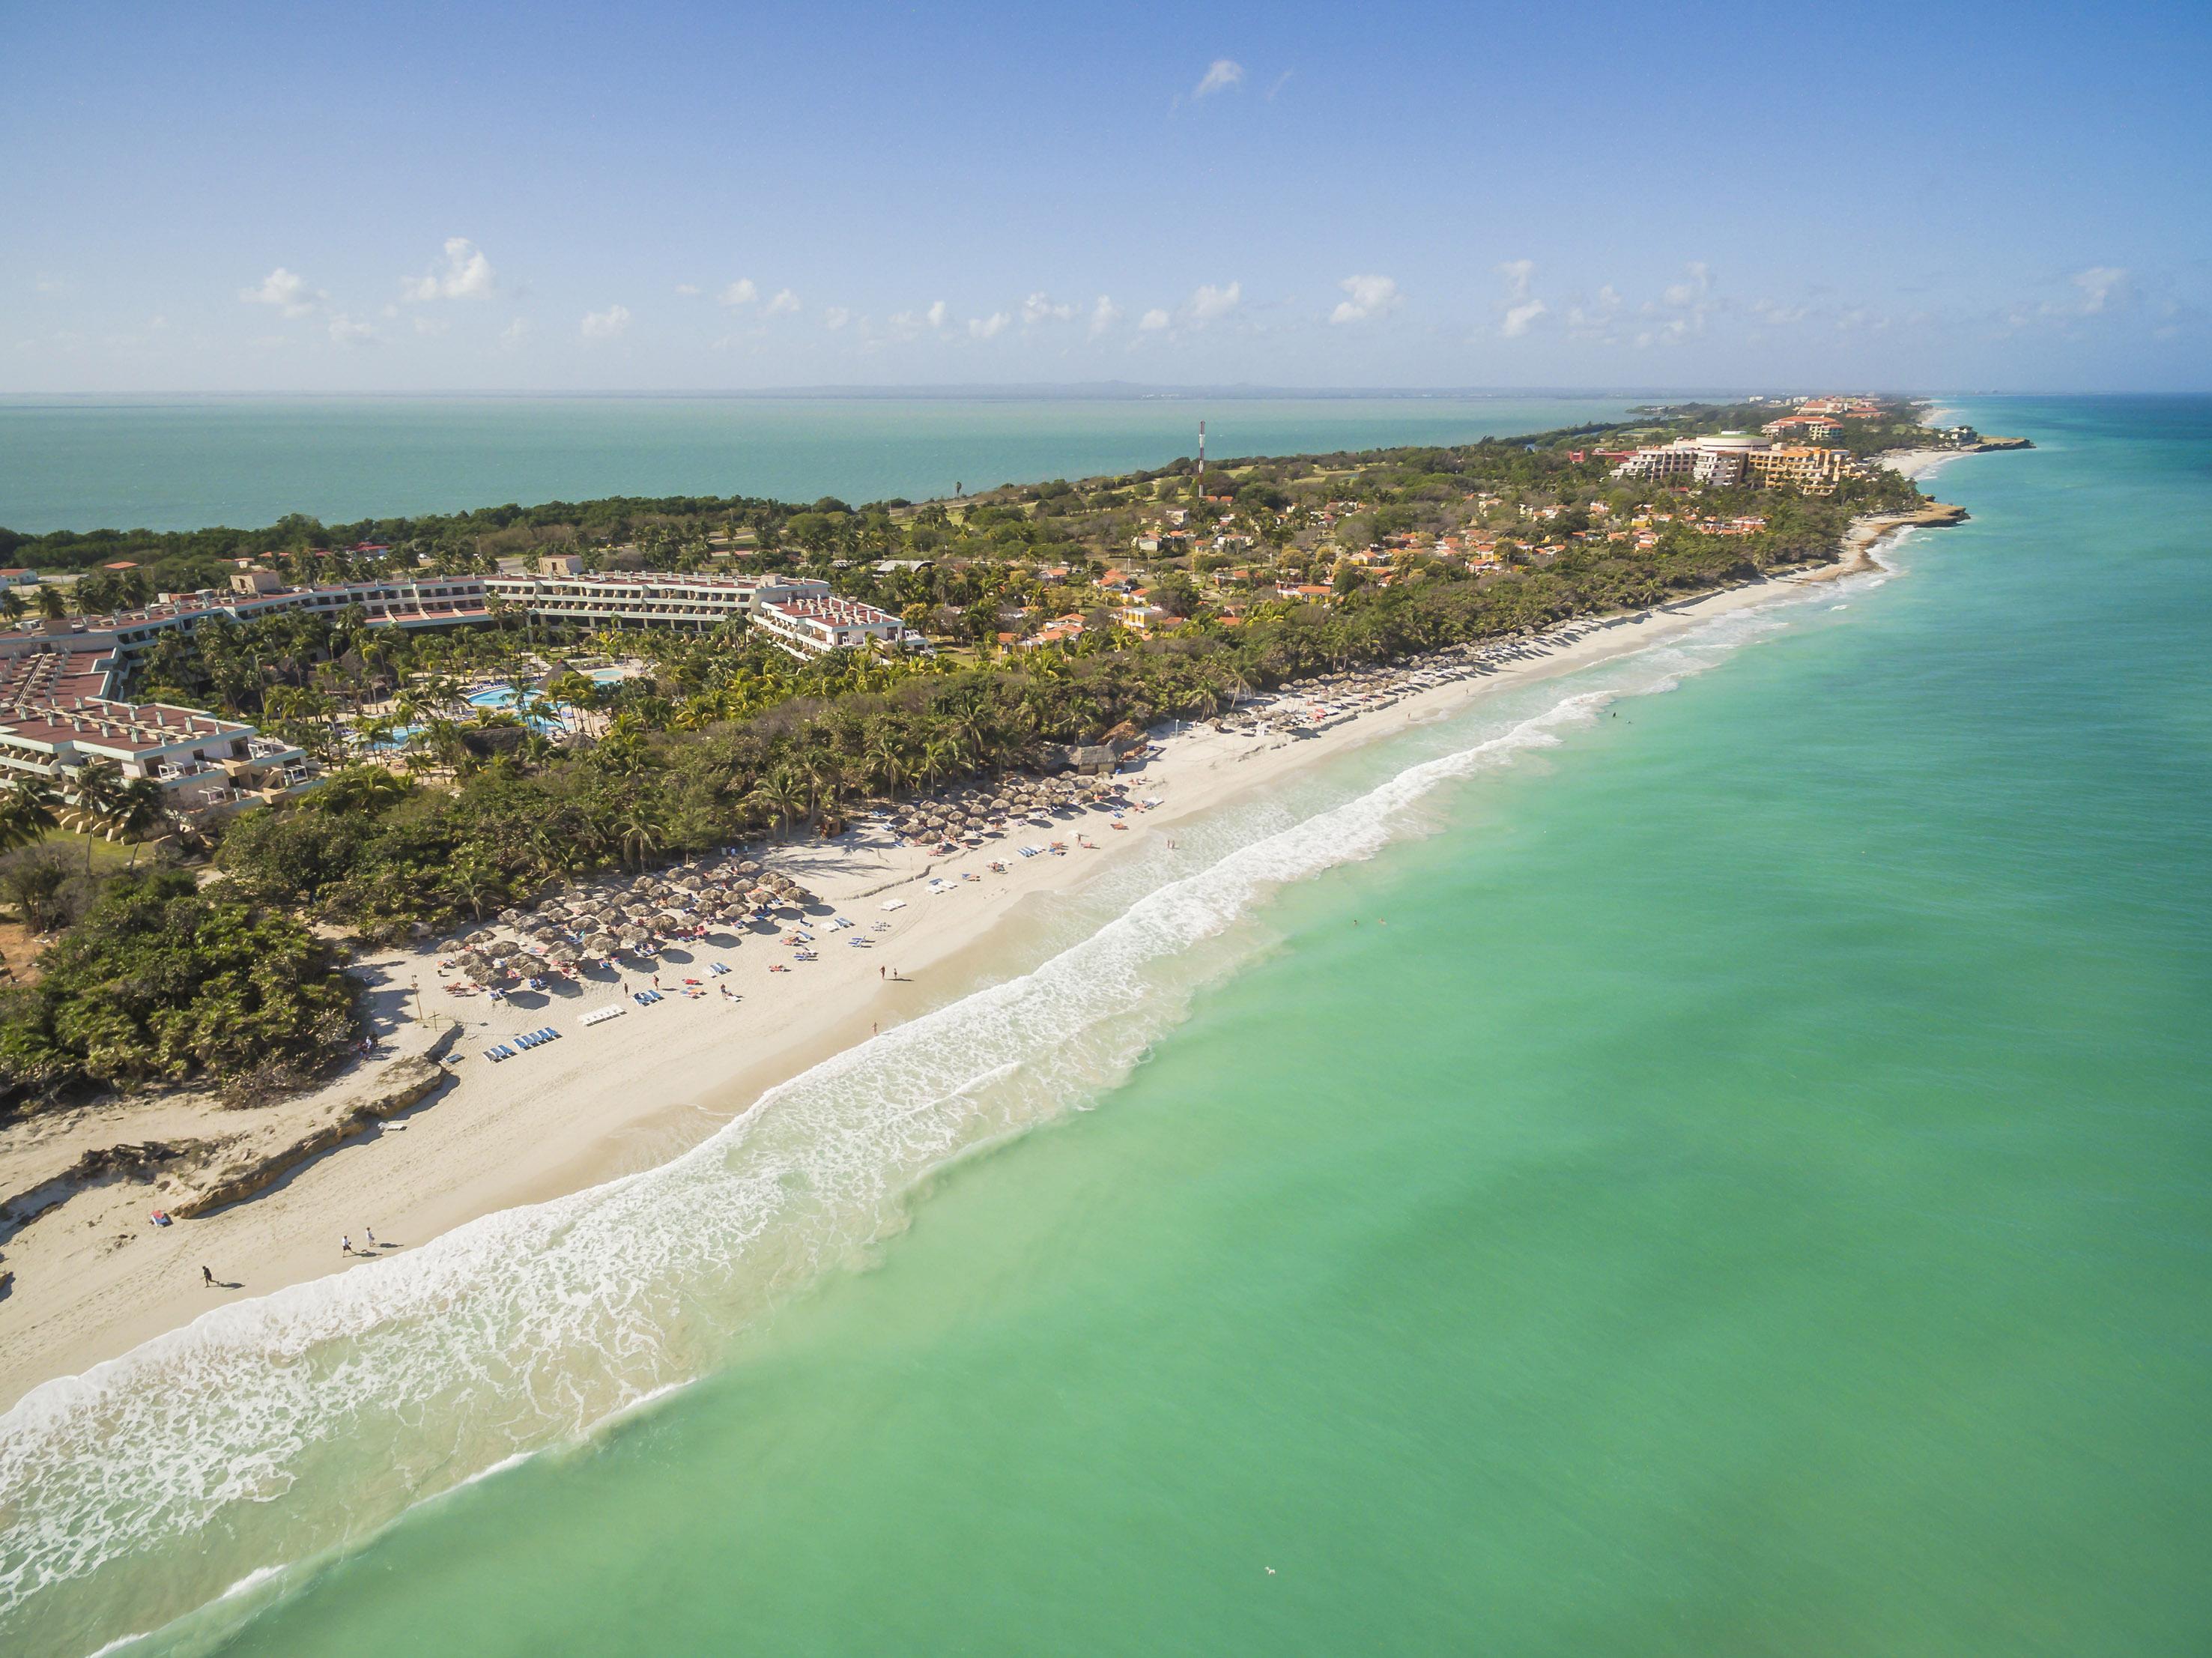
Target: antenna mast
1201 460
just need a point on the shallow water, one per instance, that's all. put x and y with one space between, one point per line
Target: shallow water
1710 1157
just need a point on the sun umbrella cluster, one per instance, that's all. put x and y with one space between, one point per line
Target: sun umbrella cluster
590 925
988 808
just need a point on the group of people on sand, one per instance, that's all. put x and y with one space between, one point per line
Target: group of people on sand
209 1280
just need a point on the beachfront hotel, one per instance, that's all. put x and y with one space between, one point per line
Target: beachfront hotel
58 679
1728 458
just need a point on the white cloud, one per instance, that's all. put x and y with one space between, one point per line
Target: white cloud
1683 308
1369 296
467 275
1152 322
432 324
835 317
610 324
2100 284
784 302
288 291
1281 81
1040 308
1210 304
1692 289
1518 318
1221 74
937 313
740 292
987 328
687 289
516 334
346 331
1519 309
1104 315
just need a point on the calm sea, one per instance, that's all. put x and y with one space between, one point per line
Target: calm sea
181 463
1710 1157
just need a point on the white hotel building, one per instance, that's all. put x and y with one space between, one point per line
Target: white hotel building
815 627
57 679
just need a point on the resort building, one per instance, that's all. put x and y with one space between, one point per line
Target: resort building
640 600
56 715
1717 460
1799 466
815 626
1803 425
1732 457
693 601
57 679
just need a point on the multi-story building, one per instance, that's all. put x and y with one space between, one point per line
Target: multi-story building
815 626
1801 466
1803 425
57 715
1733 458
57 679
1717 460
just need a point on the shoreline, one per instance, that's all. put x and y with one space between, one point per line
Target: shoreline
632 1092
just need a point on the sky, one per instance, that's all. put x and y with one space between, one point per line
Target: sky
694 196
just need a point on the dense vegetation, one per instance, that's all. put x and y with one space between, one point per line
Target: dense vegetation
379 856
163 981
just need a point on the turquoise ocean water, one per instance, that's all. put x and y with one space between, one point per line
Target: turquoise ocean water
1707 1155
179 463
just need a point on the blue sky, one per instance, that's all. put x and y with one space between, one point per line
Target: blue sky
228 197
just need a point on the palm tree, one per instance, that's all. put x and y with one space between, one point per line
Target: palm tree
11 606
141 805
781 794
27 813
53 606
98 791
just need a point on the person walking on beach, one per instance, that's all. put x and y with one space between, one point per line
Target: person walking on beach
207 1277
345 1243
372 1238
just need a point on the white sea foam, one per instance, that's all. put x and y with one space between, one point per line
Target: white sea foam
371 1390
252 1580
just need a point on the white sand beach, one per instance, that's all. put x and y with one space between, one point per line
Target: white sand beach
93 1277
